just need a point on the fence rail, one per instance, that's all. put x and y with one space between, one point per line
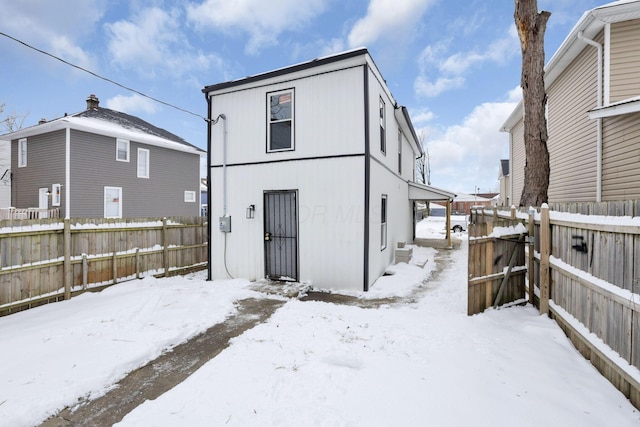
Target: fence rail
48 260
583 271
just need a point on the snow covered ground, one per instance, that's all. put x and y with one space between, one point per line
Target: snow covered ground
312 363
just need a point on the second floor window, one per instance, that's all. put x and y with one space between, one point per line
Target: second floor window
22 152
122 150
400 152
383 128
280 121
143 163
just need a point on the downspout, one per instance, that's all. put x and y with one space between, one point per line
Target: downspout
367 180
209 125
599 120
67 173
224 163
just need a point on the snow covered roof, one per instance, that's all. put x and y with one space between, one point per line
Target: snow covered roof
112 123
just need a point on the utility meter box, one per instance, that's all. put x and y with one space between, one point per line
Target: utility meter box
225 224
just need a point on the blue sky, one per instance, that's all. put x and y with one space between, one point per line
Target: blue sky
454 64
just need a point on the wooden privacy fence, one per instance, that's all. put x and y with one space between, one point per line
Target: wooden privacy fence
583 270
496 264
48 260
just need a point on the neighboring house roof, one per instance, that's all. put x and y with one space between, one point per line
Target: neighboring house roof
400 112
589 25
504 168
464 197
112 123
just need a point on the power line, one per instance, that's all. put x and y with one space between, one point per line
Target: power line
103 78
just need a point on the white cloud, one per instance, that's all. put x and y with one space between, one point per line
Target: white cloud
469 153
57 27
262 20
132 104
385 18
432 89
451 69
421 115
515 94
153 43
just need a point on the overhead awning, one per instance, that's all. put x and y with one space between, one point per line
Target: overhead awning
427 192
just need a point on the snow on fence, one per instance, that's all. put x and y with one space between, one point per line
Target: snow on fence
583 271
48 260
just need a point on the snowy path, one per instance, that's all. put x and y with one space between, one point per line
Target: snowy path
311 363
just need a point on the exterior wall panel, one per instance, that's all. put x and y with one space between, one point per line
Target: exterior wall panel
621 157
572 135
94 166
328 120
330 216
625 60
45 154
399 219
517 162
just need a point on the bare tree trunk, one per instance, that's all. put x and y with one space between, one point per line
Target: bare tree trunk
531 26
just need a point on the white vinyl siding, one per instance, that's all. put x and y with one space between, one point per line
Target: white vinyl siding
280 121
122 150
22 152
625 60
517 162
572 135
621 157
143 163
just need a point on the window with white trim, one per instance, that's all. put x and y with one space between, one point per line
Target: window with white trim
383 222
22 152
383 126
122 150
280 117
55 194
189 196
113 202
143 163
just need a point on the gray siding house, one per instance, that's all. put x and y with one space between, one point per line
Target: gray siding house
104 163
593 111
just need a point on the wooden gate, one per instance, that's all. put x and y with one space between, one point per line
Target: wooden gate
496 263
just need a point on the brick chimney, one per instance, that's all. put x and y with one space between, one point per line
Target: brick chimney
92 102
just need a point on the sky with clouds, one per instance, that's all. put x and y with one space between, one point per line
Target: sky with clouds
455 64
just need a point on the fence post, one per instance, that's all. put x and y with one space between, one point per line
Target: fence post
115 267
85 271
531 273
137 263
545 249
66 267
165 248
513 213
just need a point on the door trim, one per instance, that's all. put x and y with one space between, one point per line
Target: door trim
294 276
